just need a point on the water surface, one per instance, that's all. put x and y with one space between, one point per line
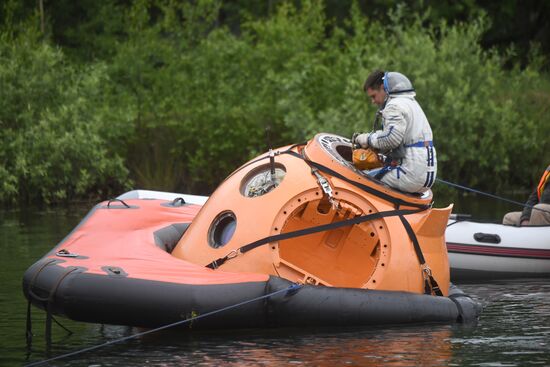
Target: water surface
514 328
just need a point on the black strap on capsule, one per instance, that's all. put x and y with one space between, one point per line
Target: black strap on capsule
303 232
430 284
396 201
382 195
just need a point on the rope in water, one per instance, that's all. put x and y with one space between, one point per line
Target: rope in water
490 195
290 289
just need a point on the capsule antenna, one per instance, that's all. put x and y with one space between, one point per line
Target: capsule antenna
271 153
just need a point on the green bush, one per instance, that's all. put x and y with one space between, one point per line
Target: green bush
50 127
176 101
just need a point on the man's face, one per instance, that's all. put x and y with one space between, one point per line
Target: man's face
377 95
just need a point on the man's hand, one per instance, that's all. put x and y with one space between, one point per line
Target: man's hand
524 222
362 140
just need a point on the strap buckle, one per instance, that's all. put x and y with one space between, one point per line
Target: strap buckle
430 285
219 262
426 271
233 254
325 186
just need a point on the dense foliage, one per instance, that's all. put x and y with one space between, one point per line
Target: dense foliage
53 118
168 98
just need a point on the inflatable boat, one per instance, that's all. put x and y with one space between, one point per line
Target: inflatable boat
295 237
481 251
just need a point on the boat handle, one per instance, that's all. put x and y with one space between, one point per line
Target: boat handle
487 237
179 201
119 200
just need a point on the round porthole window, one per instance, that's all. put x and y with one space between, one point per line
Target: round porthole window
262 180
222 229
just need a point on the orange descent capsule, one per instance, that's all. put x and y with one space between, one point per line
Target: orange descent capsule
305 213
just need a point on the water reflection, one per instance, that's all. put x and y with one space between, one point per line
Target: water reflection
397 346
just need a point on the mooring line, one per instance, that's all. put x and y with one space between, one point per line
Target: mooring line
291 289
490 195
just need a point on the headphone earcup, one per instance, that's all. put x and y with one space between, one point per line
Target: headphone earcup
385 80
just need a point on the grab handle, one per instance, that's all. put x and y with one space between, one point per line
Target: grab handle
487 237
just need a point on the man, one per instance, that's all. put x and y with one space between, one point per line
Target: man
406 135
537 209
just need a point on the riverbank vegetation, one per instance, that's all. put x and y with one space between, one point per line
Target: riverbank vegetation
175 95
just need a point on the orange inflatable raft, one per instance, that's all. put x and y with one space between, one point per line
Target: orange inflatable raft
314 240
